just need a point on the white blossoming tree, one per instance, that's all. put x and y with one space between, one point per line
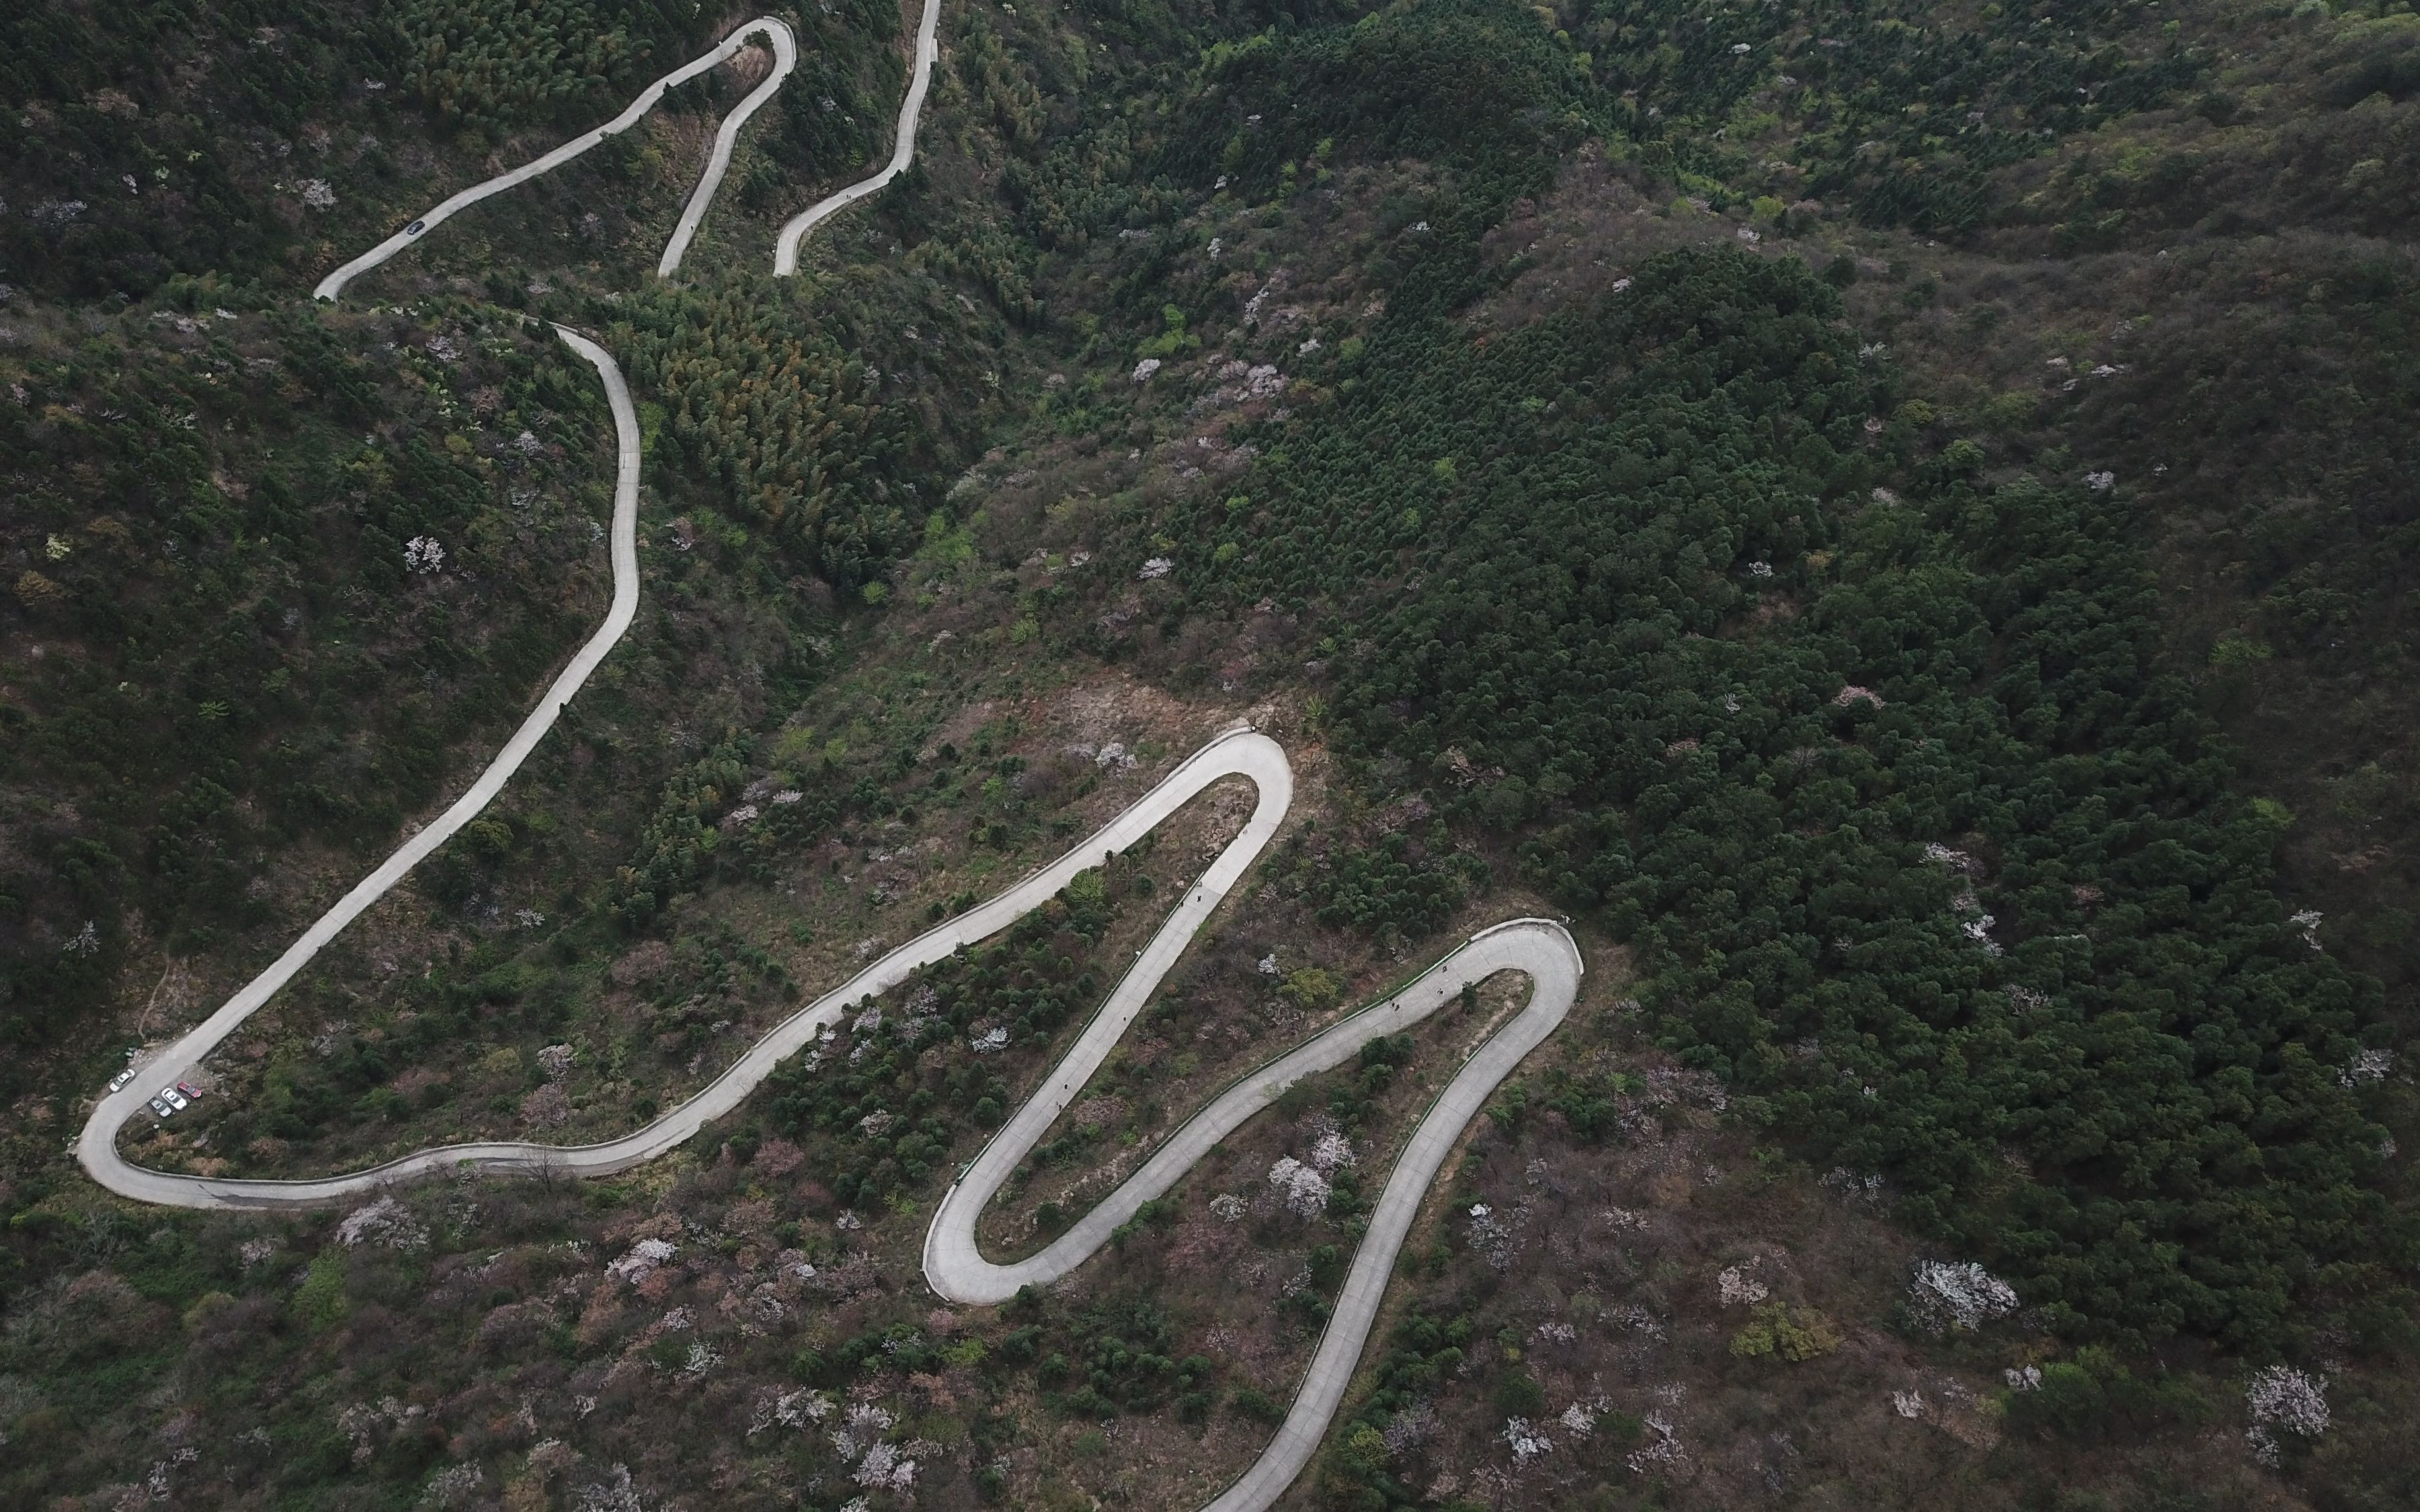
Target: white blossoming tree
1300 1187
2283 1400
1330 1151
1947 1294
1529 1443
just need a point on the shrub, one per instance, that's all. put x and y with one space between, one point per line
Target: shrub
1517 1395
1312 989
1257 1405
2069 1401
1794 1333
319 1301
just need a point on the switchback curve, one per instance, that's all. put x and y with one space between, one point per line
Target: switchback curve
777 35
1237 752
1540 948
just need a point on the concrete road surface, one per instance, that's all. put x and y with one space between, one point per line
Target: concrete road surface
1236 752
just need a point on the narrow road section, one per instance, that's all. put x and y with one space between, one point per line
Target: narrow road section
1237 752
97 1148
785 59
778 36
903 150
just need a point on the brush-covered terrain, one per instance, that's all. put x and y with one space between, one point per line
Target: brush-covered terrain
1900 523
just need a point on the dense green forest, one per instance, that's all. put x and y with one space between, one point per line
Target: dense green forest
1922 850
789 426
481 67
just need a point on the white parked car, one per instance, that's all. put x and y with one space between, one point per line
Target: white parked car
173 1098
117 1083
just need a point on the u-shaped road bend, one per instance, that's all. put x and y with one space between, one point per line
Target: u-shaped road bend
1540 948
1237 752
777 33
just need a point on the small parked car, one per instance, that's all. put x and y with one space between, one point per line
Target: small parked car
160 1108
191 1091
118 1082
173 1098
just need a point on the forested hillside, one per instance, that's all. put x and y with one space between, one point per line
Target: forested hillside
246 629
1899 522
1889 794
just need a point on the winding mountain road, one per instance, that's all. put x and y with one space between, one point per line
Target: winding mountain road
1238 752
96 1147
903 152
777 35
1540 948
954 1266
